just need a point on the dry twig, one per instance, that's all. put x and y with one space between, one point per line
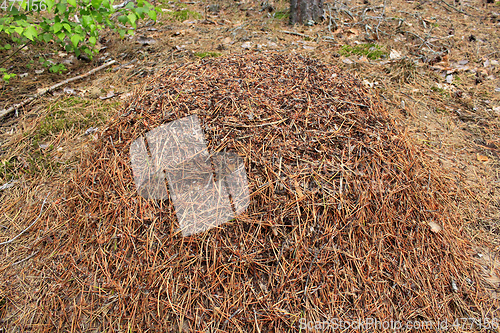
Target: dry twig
6 112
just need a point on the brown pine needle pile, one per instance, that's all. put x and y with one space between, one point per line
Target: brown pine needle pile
346 218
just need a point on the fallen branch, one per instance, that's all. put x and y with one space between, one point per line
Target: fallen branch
5 112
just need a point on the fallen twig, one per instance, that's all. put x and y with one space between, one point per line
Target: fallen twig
455 8
124 65
25 259
294 33
14 53
5 112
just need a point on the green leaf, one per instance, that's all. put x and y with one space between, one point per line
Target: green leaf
75 39
123 19
61 7
92 40
72 2
98 17
152 15
87 20
132 18
57 27
50 4
61 35
19 30
47 38
31 32
7 46
139 11
96 3
67 27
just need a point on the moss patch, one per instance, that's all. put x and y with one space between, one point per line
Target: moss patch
183 15
207 54
371 51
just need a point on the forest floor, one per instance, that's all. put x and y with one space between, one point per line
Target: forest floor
434 65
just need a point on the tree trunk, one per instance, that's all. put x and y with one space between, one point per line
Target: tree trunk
306 11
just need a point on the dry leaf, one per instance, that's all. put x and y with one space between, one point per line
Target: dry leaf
435 227
246 45
297 188
482 158
353 31
395 55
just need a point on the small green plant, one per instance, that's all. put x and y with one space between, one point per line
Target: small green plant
371 51
184 14
7 169
30 64
53 67
58 68
281 14
207 54
6 76
441 91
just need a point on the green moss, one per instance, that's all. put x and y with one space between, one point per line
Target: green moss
436 89
184 14
71 113
207 54
371 51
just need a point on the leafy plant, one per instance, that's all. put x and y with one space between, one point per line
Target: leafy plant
58 68
53 67
6 76
74 24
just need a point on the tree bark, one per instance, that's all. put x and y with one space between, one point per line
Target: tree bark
306 11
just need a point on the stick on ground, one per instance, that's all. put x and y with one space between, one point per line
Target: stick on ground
14 107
